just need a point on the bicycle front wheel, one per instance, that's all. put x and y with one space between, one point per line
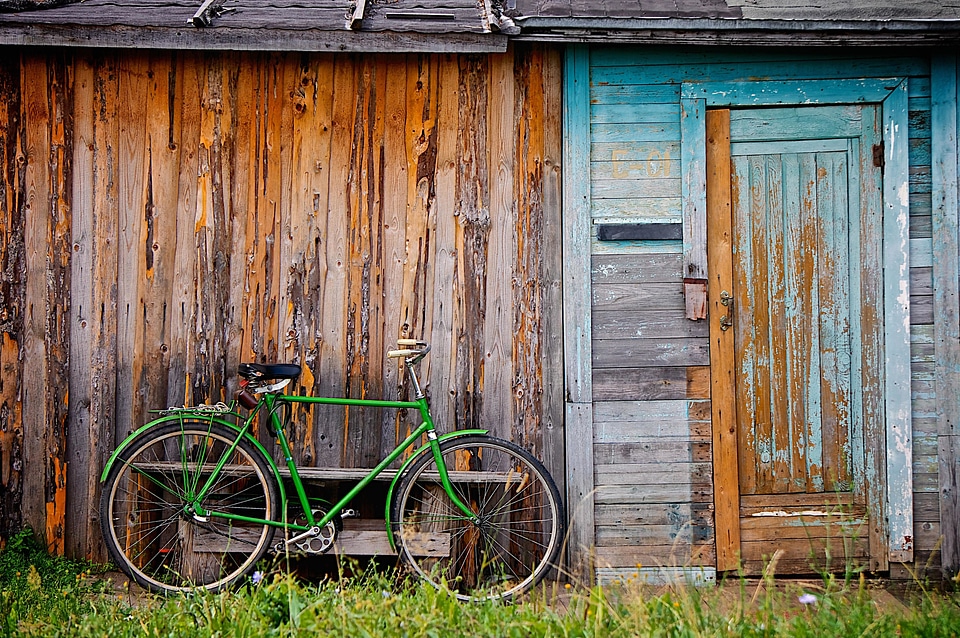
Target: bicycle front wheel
150 527
509 543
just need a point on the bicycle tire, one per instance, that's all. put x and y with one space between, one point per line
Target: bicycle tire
144 515
518 531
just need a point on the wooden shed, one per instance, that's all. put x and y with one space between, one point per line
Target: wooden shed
702 258
760 284
177 200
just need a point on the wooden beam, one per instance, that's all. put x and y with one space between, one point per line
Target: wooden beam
896 266
577 314
719 222
554 449
945 119
237 39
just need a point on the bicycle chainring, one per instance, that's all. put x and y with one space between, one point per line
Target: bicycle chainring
321 542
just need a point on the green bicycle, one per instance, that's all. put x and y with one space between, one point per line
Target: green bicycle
192 499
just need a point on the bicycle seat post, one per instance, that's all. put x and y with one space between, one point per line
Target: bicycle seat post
418 392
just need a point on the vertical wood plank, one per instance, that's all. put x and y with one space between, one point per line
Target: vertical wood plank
528 140
421 90
789 448
364 302
311 157
835 387
297 238
752 285
93 298
12 294
204 342
581 528
36 215
472 209
85 445
160 217
896 269
131 239
191 72
500 352
269 198
773 474
869 340
235 186
552 425
812 464
530 249
726 494
945 120
59 250
247 169
333 343
693 190
577 311
393 216
443 229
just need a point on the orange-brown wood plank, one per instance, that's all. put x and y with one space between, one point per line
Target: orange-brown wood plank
12 259
393 220
722 361
444 301
191 72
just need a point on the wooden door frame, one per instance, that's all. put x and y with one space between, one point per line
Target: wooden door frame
893 510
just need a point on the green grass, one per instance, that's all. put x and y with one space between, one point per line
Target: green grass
44 596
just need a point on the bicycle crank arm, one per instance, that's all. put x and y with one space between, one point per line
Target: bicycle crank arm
312 541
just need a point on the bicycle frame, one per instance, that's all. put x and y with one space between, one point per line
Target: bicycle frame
271 402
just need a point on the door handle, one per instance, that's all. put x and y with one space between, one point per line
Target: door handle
726 321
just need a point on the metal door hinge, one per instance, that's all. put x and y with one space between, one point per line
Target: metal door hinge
878 155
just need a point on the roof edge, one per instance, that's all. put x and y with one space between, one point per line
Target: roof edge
234 39
919 32
899 24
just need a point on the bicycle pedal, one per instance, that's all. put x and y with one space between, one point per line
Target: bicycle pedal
349 513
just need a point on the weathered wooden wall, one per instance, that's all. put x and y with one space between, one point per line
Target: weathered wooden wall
165 216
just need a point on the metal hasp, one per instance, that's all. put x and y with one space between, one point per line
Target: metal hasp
726 321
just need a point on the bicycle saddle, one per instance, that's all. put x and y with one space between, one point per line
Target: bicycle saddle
261 371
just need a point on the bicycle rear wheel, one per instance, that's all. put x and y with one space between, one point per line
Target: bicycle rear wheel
517 527
144 509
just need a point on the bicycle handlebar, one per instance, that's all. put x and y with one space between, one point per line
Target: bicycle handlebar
419 349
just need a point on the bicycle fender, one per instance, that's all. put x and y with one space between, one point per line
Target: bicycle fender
206 417
403 469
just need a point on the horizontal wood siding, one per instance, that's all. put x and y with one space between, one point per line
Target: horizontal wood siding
644 351
166 216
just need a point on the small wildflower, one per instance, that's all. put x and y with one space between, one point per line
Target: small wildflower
807 599
257 577
567 586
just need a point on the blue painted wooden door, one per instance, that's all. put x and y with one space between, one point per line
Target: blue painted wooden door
797 181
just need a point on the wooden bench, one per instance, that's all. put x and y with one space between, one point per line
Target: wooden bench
360 537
